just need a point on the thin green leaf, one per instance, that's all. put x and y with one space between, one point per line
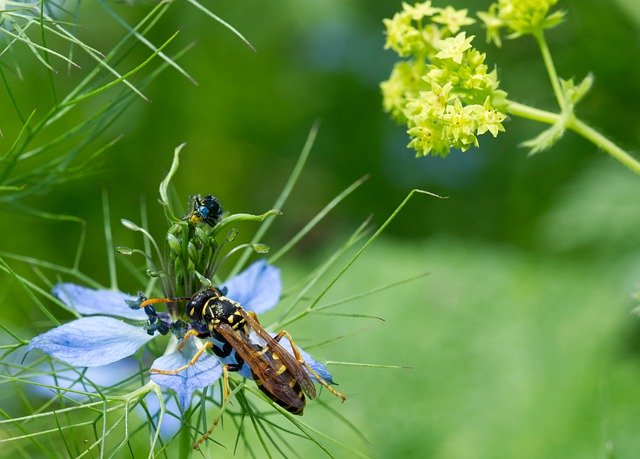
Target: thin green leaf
317 274
318 217
28 287
108 237
284 194
344 336
371 292
103 88
367 365
10 155
34 46
145 41
221 21
369 242
344 420
347 314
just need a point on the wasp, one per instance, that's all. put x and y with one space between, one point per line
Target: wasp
283 377
205 210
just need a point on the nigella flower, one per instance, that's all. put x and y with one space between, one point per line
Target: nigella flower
103 337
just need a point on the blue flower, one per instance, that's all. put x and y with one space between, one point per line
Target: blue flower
102 337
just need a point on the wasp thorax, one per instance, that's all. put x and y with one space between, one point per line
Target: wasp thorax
222 310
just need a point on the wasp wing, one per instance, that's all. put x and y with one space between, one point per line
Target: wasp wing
296 368
262 365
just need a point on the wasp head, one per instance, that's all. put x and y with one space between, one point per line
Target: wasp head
198 304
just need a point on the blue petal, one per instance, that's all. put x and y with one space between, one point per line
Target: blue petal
203 373
91 341
257 288
88 301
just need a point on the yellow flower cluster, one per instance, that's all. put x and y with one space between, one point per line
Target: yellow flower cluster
444 92
519 17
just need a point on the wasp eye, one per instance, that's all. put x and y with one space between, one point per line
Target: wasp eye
203 211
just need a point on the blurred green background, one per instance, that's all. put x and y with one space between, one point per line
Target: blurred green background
521 341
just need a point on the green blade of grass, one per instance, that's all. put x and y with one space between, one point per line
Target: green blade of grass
216 18
145 41
284 194
106 86
316 219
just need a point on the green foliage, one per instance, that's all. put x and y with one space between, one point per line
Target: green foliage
51 145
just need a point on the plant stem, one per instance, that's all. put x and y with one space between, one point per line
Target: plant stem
551 68
579 127
607 145
137 394
184 450
531 113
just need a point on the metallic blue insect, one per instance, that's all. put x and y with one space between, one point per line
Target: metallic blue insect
205 210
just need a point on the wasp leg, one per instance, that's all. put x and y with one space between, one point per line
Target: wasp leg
208 433
226 401
225 381
226 368
296 354
254 316
194 359
186 336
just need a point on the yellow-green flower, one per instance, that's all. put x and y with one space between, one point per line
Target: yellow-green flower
493 24
454 47
419 10
404 83
460 125
490 119
401 34
453 19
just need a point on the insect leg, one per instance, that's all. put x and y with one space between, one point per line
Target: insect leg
225 381
208 433
296 354
192 362
225 351
226 368
254 316
186 336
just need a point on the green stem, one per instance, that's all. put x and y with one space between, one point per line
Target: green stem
531 113
551 68
607 145
184 450
136 394
579 127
